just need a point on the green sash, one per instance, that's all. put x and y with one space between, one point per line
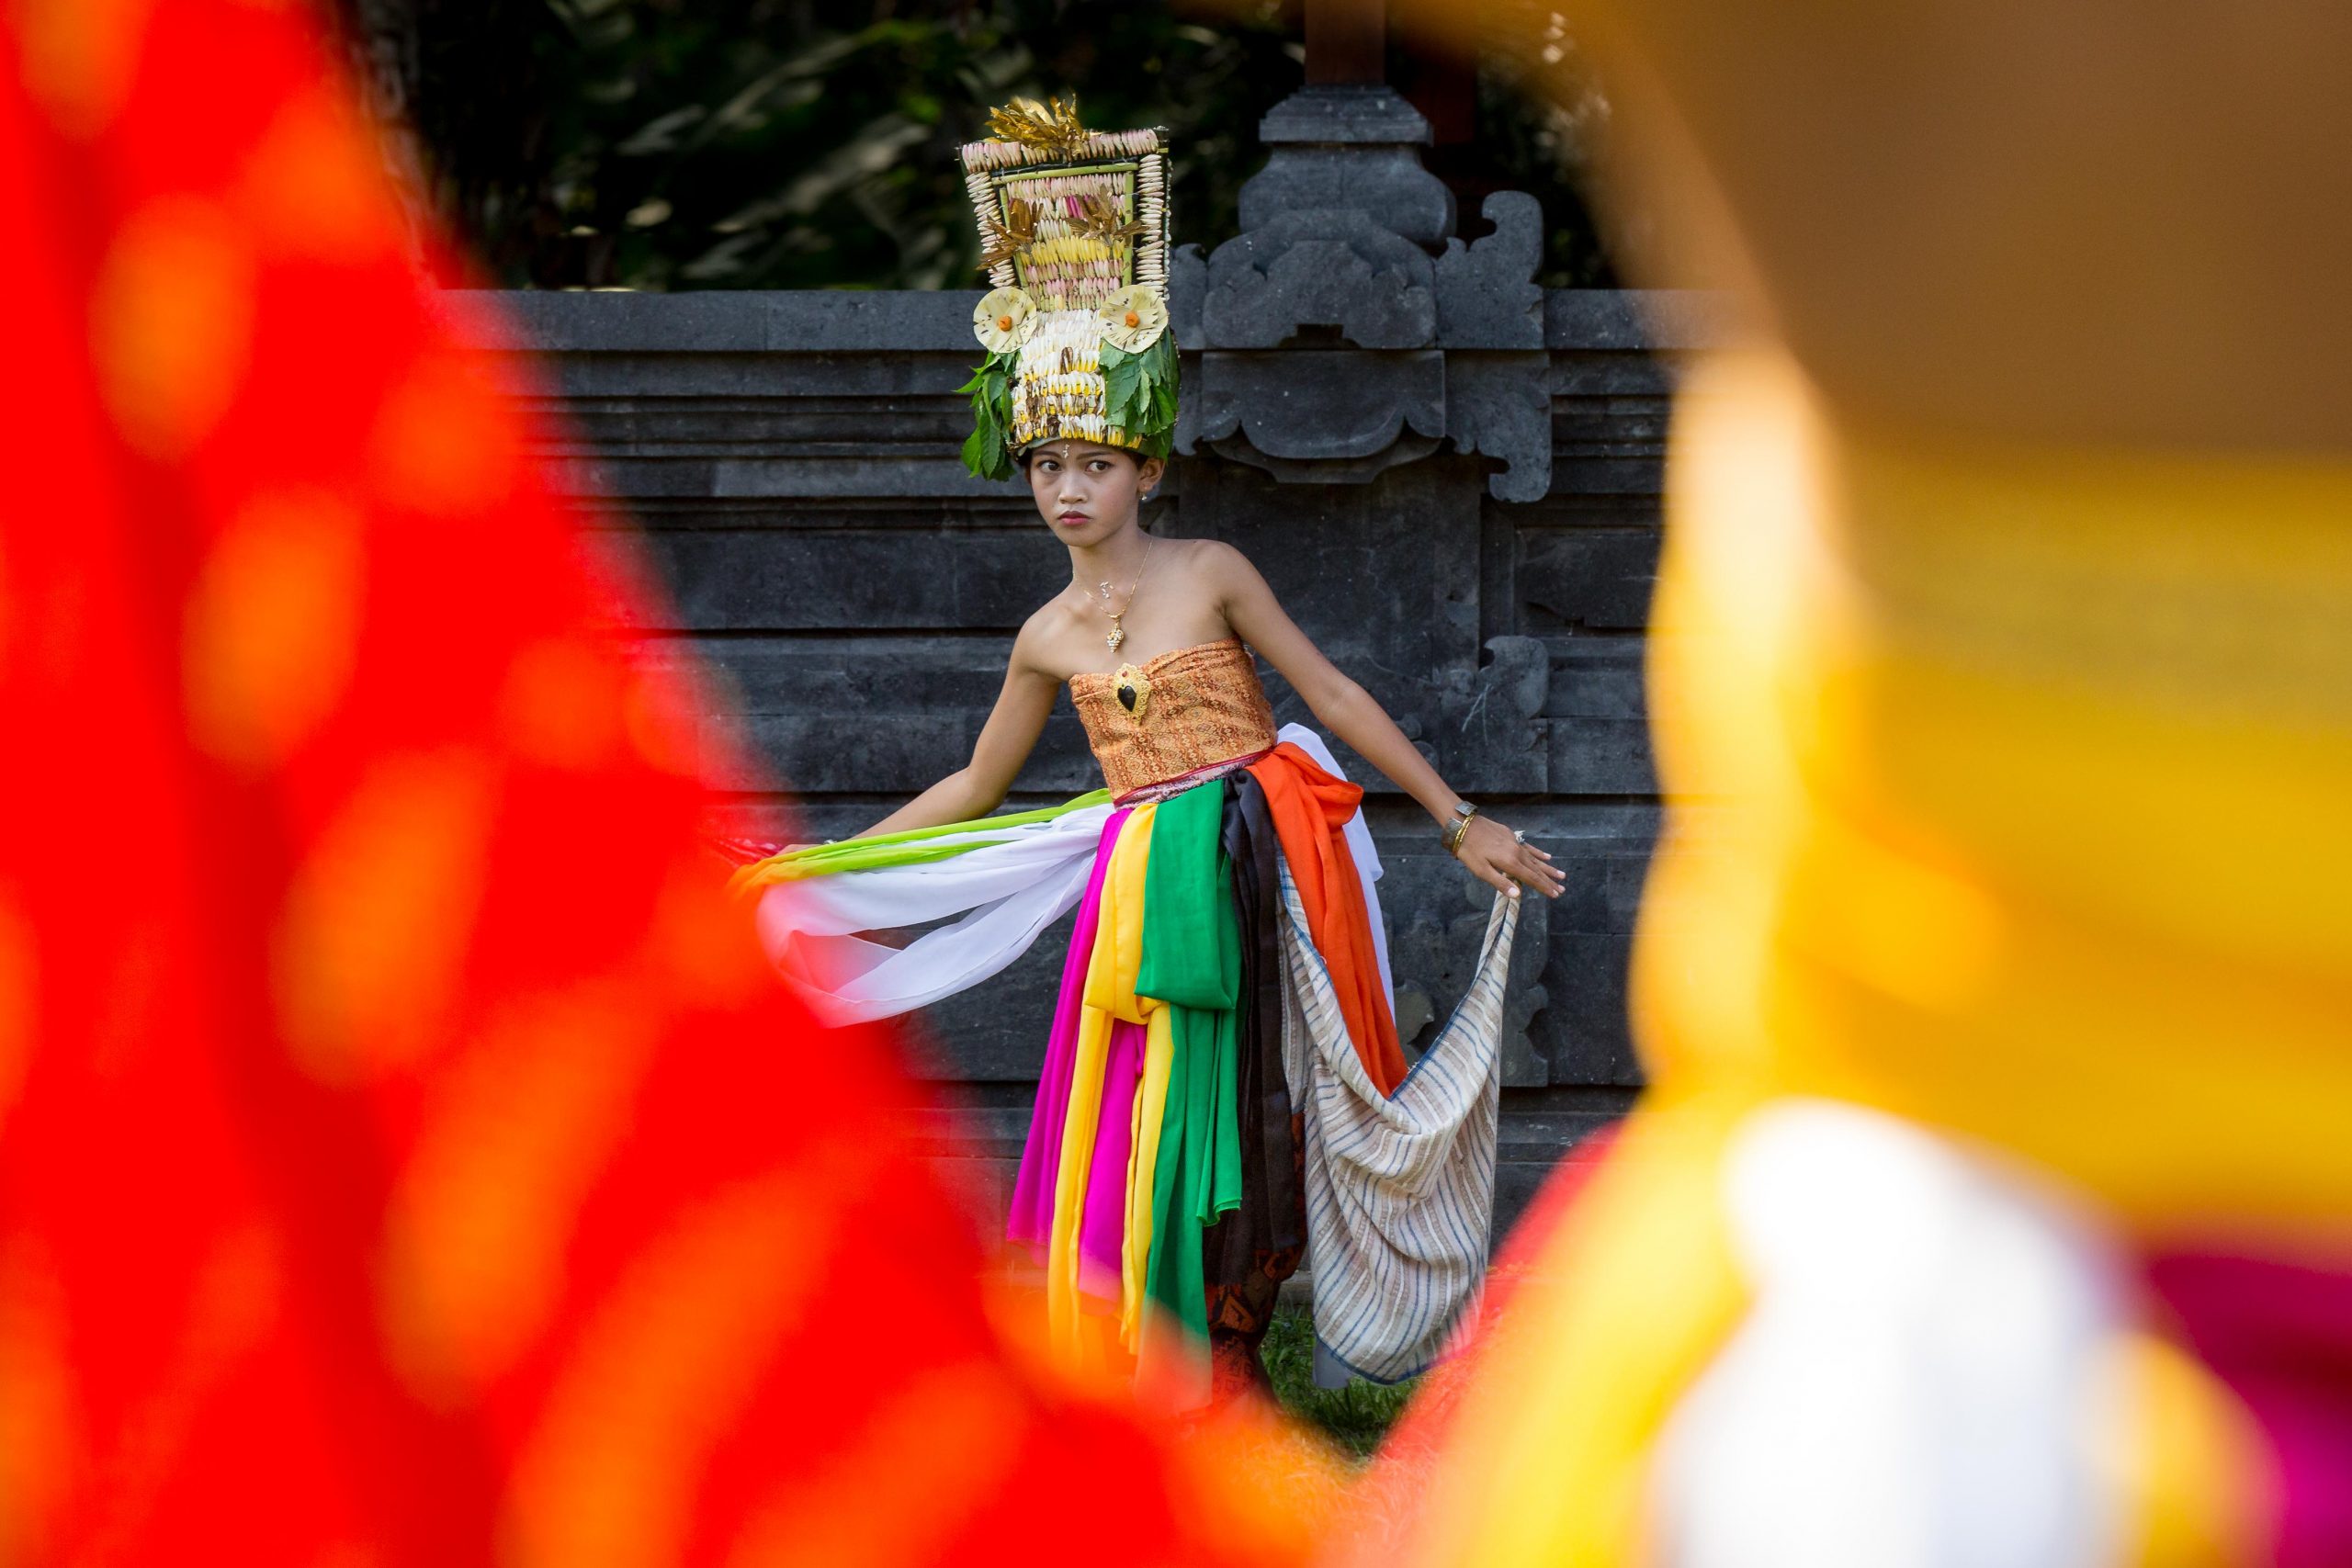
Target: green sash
916 846
1192 961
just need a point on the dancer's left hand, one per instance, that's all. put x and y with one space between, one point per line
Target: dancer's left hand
1496 854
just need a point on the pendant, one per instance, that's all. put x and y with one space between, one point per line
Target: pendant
1113 638
1133 688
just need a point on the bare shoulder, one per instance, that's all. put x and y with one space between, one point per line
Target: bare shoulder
1214 563
1041 646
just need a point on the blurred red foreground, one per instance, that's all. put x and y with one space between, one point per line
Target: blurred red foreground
403 1156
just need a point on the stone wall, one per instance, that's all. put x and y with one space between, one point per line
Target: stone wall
791 460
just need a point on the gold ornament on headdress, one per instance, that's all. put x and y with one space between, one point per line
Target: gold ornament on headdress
1052 127
1099 216
1014 234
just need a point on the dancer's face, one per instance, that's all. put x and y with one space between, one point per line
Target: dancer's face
1089 492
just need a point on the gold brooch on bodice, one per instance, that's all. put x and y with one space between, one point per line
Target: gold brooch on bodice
1133 688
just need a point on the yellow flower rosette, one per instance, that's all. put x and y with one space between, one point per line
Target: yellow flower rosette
1133 319
1003 319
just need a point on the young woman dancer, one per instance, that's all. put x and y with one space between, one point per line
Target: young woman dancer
1223 1050
1187 599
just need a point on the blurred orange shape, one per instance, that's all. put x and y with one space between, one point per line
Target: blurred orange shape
79 56
442 444
374 930
171 322
272 626
514 1135
661 1371
297 191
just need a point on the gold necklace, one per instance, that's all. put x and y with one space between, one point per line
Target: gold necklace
1118 633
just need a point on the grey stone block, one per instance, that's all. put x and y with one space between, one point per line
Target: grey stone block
1485 569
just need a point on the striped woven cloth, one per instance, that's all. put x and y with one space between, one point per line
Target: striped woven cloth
1400 1189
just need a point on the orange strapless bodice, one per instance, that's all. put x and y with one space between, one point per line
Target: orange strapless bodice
1191 709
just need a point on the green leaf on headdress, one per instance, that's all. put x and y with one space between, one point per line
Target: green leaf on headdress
1139 392
1160 370
1122 384
985 452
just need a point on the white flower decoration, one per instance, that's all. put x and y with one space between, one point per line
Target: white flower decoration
1134 317
1003 319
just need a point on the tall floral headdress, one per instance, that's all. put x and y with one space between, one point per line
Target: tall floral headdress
1074 236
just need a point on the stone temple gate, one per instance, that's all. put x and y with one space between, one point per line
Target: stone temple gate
1450 476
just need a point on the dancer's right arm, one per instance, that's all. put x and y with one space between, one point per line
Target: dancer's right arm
978 787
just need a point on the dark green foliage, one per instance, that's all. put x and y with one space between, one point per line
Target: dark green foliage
812 143
991 390
786 143
1356 1418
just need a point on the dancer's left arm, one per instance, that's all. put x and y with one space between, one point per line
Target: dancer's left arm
1491 851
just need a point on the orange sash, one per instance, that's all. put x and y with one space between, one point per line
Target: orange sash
1310 809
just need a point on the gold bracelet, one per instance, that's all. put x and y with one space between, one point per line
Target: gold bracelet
1452 834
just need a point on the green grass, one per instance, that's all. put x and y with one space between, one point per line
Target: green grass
1357 1417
